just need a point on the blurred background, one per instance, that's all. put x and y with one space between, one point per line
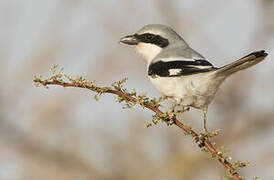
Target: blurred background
65 134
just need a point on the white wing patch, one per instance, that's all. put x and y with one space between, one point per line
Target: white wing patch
199 67
172 58
173 72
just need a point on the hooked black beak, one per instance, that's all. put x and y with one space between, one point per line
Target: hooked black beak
130 40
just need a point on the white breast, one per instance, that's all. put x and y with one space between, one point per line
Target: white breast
194 90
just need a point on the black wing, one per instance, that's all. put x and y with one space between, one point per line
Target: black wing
179 68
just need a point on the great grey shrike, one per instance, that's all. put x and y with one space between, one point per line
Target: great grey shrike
181 73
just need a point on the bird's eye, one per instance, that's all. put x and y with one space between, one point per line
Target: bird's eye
148 36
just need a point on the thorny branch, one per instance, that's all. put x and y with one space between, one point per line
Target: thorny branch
131 99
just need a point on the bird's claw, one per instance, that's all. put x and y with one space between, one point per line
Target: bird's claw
185 109
200 139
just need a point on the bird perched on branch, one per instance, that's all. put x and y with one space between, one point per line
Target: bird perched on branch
178 71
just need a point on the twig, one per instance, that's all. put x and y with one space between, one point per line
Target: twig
128 97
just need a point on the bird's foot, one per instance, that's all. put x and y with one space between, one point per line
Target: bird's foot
171 120
185 109
172 113
200 139
181 110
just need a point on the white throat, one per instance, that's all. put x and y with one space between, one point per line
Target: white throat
149 51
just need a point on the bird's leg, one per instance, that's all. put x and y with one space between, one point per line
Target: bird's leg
205 113
202 137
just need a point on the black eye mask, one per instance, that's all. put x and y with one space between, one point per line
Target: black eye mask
152 39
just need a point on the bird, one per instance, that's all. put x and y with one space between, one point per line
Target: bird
179 72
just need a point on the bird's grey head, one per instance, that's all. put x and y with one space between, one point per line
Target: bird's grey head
152 39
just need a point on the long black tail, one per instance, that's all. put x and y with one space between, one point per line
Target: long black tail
243 63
